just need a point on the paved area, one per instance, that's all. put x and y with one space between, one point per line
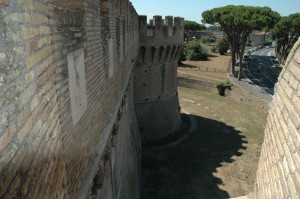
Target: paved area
259 75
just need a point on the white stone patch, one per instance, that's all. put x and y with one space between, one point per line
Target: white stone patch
170 32
77 84
150 33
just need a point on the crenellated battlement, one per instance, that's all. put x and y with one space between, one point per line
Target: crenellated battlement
159 30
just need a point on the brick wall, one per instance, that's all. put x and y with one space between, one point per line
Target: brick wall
30 141
43 152
278 171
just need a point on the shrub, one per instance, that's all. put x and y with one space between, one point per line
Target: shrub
182 56
267 43
205 39
193 51
224 85
213 48
223 46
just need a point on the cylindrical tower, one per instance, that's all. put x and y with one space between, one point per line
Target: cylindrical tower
155 76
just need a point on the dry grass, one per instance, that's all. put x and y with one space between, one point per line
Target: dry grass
212 70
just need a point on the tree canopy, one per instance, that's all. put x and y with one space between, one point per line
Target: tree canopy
287 31
238 22
214 28
193 26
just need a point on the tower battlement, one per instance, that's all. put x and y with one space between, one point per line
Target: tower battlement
167 30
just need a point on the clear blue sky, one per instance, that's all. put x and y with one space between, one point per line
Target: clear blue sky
192 9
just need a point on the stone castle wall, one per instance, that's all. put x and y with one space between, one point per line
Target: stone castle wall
68 125
67 121
155 76
279 165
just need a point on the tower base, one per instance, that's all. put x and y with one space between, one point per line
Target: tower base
158 118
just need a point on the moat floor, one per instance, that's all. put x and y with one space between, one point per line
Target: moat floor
217 160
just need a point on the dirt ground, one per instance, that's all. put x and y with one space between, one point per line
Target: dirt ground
213 70
219 154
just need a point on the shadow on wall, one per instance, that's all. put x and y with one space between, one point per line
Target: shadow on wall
185 170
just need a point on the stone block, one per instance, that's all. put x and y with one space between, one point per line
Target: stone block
45 88
29 33
34 103
295 70
26 94
44 30
25 3
25 130
39 19
7 136
39 56
293 83
291 186
41 7
43 66
41 80
24 115
296 182
32 46
287 89
44 41
29 77
295 119
13 34
3 121
297 57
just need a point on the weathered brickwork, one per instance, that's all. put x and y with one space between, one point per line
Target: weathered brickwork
278 170
43 153
31 147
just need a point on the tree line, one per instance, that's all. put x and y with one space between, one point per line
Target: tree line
237 22
287 31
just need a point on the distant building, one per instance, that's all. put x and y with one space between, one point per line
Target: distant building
257 38
199 33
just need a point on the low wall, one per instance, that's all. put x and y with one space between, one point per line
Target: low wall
197 84
235 93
